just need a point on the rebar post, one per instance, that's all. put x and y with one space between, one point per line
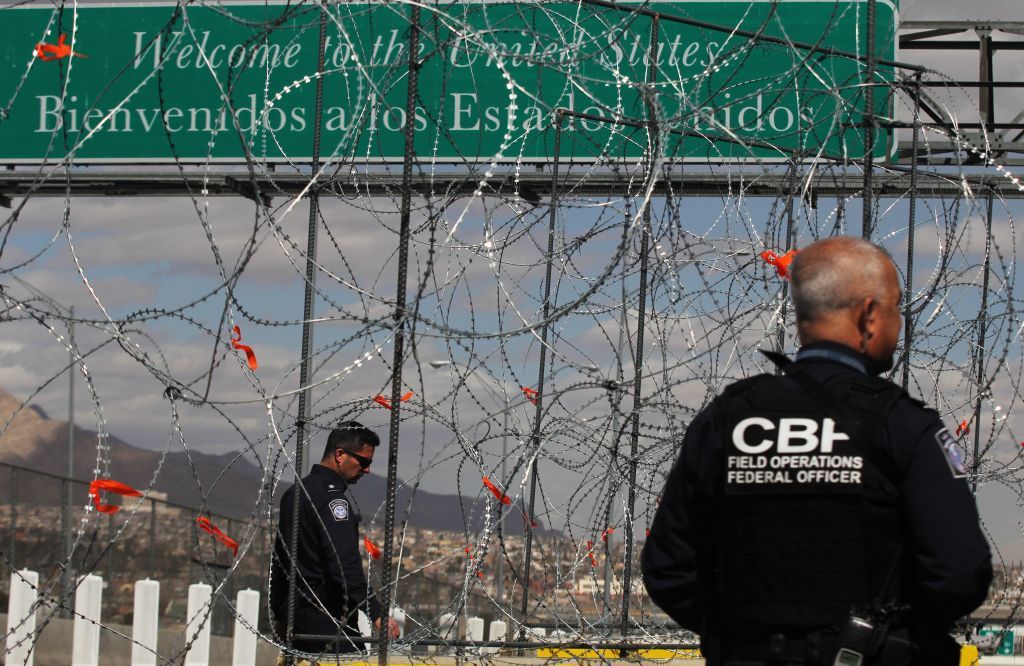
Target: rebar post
869 124
980 351
638 362
405 232
306 369
539 398
908 323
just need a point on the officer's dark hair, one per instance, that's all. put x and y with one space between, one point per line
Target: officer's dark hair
825 284
350 436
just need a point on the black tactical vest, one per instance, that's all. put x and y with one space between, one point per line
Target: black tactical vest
808 522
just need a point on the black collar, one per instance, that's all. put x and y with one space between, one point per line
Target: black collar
837 353
328 474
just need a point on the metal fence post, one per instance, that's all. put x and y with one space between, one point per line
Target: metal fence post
982 323
638 365
867 225
13 542
539 396
65 531
908 323
405 233
152 537
306 369
110 548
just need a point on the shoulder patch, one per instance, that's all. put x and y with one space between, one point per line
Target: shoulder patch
339 509
951 452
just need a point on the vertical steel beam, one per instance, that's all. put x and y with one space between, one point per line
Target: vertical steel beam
13 542
67 486
784 306
869 124
638 361
500 555
908 322
72 368
152 539
65 530
539 400
306 370
980 351
986 94
405 232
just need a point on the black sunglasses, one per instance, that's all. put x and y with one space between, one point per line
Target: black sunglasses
363 461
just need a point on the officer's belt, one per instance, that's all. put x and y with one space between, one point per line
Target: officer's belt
815 649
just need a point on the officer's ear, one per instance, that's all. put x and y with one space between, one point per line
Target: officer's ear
867 319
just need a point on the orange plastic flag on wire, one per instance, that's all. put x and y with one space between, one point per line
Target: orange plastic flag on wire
530 394
371 548
384 402
207 526
48 52
501 497
590 553
604 534
110 486
781 263
250 355
963 429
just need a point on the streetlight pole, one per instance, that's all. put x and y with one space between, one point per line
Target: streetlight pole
70 484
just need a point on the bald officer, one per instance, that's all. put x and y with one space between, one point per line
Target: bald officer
822 516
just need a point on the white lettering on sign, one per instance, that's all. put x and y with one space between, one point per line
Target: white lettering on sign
796 435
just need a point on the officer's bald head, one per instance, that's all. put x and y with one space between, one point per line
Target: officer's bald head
836 273
846 290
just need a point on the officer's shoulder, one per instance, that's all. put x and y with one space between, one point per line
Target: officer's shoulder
910 410
905 412
878 394
743 386
315 484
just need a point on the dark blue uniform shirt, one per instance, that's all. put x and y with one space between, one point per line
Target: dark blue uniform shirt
947 563
331 585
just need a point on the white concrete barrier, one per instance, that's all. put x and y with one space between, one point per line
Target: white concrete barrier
21 618
475 629
145 622
197 627
85 641
446 630
496 632
247 607
447 627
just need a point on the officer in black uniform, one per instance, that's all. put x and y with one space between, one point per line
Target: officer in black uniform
822 516
331 586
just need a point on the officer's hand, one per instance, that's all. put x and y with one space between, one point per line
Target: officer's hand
392 627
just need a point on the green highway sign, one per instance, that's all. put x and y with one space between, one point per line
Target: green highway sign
236 82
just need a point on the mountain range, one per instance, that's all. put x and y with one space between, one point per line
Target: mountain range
36 441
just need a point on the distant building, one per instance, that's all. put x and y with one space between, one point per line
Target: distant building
159 500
